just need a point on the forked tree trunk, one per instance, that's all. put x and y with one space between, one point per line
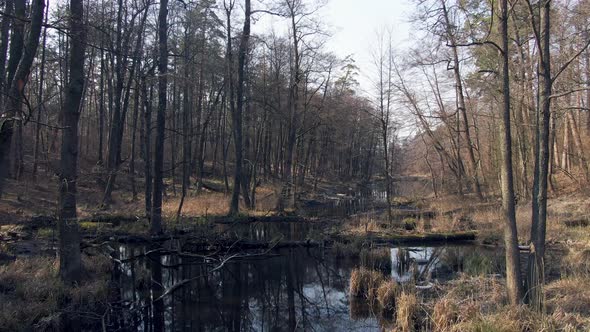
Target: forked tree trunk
535 277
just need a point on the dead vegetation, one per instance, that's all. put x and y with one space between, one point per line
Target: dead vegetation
407 311
33 297
387 295
364 283
376 259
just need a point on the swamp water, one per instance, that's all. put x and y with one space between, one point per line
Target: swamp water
303 289
288 289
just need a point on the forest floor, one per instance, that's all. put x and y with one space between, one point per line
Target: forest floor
33 296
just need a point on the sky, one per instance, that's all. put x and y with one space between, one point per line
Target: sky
353 25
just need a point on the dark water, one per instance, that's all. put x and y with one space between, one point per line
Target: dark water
295 289
290 289
361 198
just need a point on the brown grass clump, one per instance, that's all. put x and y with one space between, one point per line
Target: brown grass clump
577 262
364 282
363 225
444 315
569 295
33 297
477 294
407 307
343 250
386 295
202 205
378 259
508 319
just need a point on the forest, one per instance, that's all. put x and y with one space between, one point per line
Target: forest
222 165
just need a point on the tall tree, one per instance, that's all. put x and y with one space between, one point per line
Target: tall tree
513 278
69 240
452 42
237 115
156 213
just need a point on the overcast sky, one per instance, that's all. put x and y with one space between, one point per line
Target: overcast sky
353 24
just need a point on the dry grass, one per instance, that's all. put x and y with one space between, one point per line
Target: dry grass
33 297
362 225
386 295
508 319
577 262
201 205
479 304
407 309
482 293
376 259
344 250
445 314
569 295
217 203
364 282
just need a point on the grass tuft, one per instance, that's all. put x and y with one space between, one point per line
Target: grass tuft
386 295
364 282
444 315
407 309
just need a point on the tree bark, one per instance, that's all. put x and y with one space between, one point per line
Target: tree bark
513 278
69 244
156 215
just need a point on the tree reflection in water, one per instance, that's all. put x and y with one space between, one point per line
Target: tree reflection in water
290 289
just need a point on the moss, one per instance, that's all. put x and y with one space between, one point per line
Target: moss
409 224
46 232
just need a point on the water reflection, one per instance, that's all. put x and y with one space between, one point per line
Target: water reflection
354 200
292 289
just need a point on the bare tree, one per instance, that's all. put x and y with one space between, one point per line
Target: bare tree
156 213
69 241
513 279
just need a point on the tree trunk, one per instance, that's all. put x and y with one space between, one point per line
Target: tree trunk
12 112
513 278
535 273
461 104
69 244
156 215
41 105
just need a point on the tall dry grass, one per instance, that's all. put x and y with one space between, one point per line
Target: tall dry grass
406 311
365 282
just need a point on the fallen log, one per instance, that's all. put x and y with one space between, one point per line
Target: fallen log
204 246
424 238
402 213
576 223
253 219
